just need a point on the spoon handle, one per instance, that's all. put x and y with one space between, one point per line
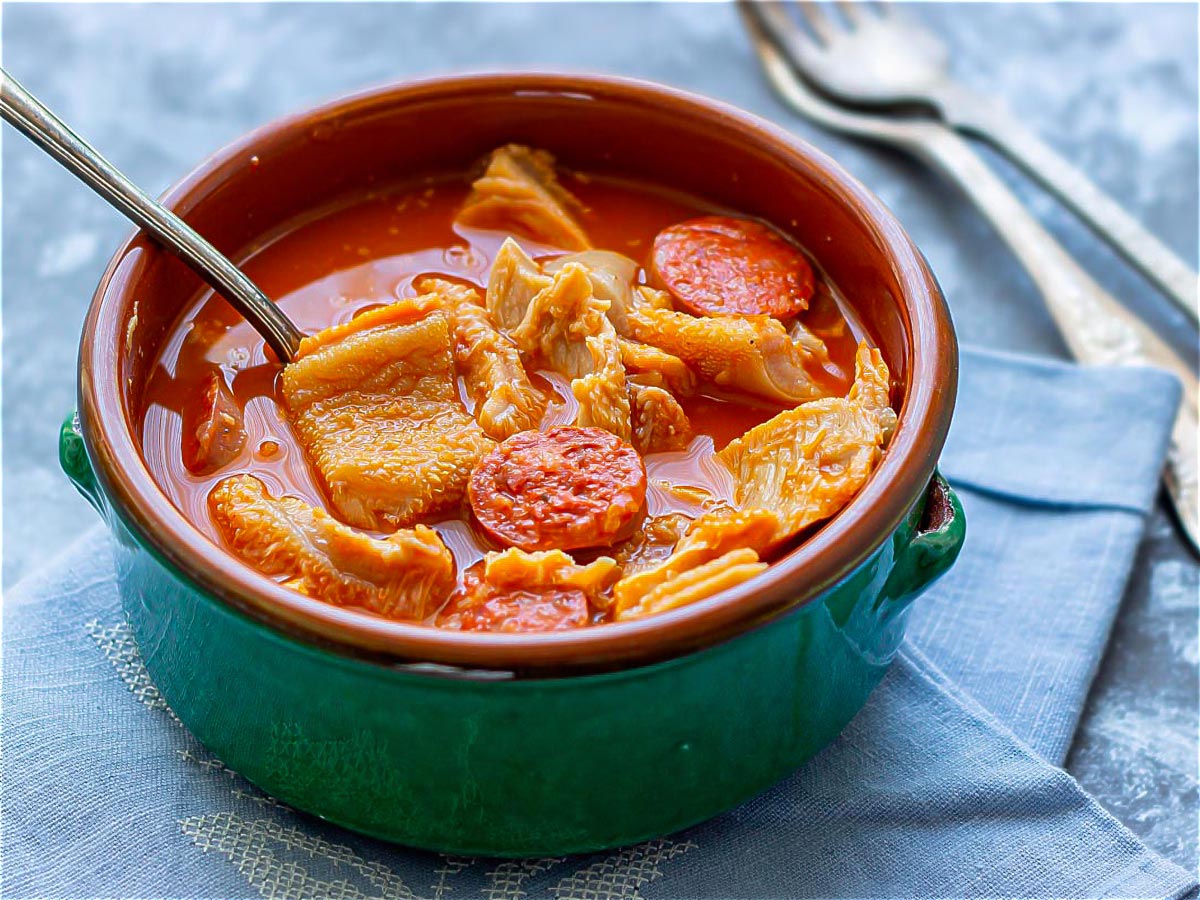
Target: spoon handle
22 110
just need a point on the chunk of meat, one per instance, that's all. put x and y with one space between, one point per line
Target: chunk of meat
565 329
697 584
516 591
809 342
558 322
653 541
519 192
563 488
713 536
748 353
720 265
659 422
375 405
403 576
612 276
545 568
505 399
806 463
601 395
514 281
214 432
649 365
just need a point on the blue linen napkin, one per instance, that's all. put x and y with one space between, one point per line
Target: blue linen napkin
942 787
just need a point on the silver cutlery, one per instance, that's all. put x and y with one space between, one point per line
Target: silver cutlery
873 56
1097 329
22 110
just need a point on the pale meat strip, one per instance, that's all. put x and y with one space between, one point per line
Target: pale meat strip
514 281
375 405
659 424
516 569
736 536
748 353
697 584
520 192
612 276
505 399
404 576
805 464
565 330
647 364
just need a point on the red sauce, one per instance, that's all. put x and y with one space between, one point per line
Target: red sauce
366 252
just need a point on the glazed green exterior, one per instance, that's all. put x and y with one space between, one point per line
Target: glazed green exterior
485 763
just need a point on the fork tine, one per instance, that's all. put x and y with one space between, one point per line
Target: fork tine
780 27
819 21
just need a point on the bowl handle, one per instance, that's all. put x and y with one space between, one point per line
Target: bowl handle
72 456
933 547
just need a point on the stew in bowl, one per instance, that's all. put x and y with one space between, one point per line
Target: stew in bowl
532 399
624 453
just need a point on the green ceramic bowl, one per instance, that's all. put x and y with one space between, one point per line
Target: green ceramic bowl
523 744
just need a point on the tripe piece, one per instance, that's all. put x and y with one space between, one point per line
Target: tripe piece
612 275
490 364
806 463
520 192
651 542
647 364
514 281
565 329
374 404
737 536
748 353
697 584
516 591
516 568
403 576
659 422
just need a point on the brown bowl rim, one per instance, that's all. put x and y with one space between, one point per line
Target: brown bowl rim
817 565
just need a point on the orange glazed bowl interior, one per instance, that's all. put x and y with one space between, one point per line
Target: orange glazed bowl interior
250 191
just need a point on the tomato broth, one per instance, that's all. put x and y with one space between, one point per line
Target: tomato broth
366 252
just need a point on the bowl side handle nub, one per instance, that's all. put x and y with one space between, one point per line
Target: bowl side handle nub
932 548
72 456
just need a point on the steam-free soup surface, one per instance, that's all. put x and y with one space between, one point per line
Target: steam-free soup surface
366 253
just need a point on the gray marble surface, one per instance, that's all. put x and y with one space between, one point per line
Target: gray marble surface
157 87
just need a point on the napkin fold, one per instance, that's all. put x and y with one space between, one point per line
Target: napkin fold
944 785
1057 467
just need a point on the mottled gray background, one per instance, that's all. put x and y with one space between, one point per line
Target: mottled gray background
157 87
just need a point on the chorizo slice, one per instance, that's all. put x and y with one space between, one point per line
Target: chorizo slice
480 606
719 265
516 591
213 430
565 488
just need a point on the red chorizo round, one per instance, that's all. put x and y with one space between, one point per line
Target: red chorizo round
564 488
214 431
479 606
718 265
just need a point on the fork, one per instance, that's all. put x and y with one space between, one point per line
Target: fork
873 56
1096 328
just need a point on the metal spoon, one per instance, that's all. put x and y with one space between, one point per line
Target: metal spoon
22 110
